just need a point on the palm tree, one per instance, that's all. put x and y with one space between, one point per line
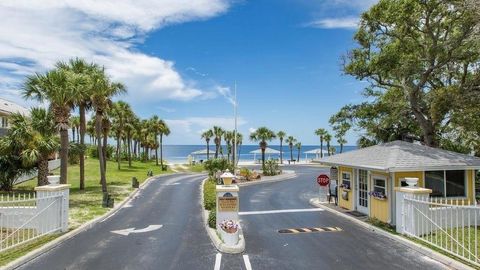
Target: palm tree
59 87
291 141
321 132
82 100
164 130
119 112
228 136
262 135
327 137
341 141
218 133
101 102
207 135
237 148
298 145
155 127
332 150
74 125
281 135
33 139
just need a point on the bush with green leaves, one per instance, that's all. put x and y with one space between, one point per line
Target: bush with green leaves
209 195
74 151
212 219
271 168
93 151
217 164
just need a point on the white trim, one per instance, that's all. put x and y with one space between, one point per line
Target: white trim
380 177
409 169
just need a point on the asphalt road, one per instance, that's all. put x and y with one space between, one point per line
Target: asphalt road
182 243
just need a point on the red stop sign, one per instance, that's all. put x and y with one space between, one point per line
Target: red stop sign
323 180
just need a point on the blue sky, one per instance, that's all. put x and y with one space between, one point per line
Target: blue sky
180 59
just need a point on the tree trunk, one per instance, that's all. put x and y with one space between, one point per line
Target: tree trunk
129 142
217 147
427 125
208 150
321 148
63 155
82 146
298 159
263 159
73 134
291 153
156 151
119 146
42 171
161 150
281 152
98 127
104 145
78 134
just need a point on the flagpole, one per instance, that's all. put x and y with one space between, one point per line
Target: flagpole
235 130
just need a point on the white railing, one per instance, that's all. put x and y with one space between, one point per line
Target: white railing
450 226
27 217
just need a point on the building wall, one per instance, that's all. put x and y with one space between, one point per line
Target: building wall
341 202
380 208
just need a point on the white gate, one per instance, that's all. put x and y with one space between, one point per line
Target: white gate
450 226
27 217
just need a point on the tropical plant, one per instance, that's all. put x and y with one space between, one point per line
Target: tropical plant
217 133
101 102
119 112
281 135
238 145
74 125
216 165
291 141
207 135
228 137
321 132
271 168
164 131
59 87
341 141
298 145
262 135
82 100
33 139
328 138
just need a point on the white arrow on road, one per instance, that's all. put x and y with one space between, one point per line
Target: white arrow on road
132 230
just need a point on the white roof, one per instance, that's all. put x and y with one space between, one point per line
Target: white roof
8 107
268 150
316 151
401 156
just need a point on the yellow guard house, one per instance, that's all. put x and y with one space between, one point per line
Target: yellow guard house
367 177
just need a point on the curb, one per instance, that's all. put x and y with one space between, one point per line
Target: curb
58 241
447 261
282 178
217 242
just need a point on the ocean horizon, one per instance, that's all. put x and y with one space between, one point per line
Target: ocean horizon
179 153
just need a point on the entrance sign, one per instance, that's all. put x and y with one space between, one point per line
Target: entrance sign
323 180
227 203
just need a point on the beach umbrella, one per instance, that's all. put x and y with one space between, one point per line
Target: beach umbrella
268 151
316 151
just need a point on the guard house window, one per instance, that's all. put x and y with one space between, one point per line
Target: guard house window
379 185
346 183
446 183
4 122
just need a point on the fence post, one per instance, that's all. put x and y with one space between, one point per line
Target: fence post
57 215
405 217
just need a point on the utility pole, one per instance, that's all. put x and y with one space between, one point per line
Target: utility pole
235 129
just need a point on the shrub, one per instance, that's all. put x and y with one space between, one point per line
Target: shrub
245 172
74 151
93 151
217 164
271 168
209 195
212 220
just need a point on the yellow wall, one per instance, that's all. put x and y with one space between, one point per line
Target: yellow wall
341 202
380 208
399 175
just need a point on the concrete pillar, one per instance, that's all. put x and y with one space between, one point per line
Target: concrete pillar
227 203
407 217
52 207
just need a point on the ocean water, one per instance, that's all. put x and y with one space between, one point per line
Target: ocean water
179 153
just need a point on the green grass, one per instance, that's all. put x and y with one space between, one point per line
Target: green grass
87 204
198 168
444 239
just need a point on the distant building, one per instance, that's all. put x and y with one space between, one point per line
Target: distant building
7 108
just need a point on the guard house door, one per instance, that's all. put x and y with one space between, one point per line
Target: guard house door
362 192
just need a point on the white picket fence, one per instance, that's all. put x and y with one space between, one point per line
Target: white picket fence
451 226
27 217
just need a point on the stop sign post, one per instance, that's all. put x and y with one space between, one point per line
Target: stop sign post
323 180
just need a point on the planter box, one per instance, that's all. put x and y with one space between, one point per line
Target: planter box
230 239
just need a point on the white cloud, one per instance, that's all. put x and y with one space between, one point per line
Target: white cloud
331 23
192 126
252 130
39 33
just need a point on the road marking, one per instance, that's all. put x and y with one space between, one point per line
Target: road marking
280 211
218 261
247 262
308 230
128 231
